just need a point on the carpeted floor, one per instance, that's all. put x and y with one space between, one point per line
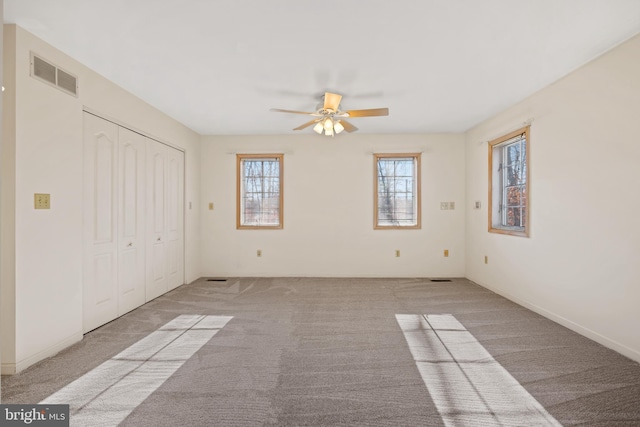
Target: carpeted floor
330 352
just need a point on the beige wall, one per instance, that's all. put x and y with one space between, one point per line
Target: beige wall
328 209
580 266
7 204
2 307
46 134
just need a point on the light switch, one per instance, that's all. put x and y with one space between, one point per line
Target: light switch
210 206
42 201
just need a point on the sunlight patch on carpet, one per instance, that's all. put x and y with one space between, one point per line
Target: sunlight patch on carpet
110 392
467 385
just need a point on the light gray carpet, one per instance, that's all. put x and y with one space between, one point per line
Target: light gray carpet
329 352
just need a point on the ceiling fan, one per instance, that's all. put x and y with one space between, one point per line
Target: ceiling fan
330 119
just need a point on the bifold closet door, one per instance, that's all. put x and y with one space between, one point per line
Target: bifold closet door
133 192
100 275
175 217
165 219
114 217
131 220
157 281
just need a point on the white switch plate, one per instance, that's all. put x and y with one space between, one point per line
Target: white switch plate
444 206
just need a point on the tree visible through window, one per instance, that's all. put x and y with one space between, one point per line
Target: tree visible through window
397 184
509 183
259 190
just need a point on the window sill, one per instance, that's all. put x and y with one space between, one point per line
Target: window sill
510 231
259 227
397 227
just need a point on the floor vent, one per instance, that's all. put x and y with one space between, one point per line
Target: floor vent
216 280
440 280
49 73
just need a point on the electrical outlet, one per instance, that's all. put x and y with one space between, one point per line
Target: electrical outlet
478 205
210 206
41 201
259 253
397 253
452 206
446 252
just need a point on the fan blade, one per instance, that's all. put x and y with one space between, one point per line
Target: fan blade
368 113
348 126
278 110
309 123
332 101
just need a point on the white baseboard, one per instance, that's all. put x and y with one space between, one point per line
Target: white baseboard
595 336
14 368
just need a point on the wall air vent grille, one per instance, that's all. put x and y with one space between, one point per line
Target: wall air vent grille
67 82
44 70
53 75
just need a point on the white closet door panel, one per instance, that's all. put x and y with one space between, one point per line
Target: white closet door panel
175 216
159 263
128 283
103 156
157 282
158 185
131 219
105 277
100 296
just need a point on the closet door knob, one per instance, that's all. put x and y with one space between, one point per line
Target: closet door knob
158 239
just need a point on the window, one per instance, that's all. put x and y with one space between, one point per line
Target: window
397 191
259 193
509 184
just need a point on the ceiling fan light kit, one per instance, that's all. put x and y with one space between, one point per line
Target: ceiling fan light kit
330 119
328 126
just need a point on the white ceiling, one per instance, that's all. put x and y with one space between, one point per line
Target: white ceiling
218 66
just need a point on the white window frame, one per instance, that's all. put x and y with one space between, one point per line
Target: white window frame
499 187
